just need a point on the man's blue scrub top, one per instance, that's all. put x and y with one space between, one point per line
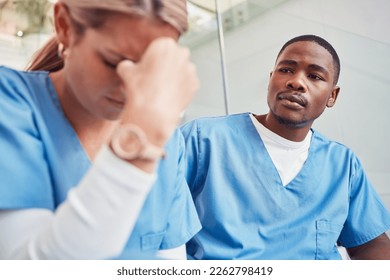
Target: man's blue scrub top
246 212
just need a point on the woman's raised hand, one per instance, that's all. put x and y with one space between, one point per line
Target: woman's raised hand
158 88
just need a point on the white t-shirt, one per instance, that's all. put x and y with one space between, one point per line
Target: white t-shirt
287 156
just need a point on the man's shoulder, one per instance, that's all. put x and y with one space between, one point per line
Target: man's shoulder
216 122
335 145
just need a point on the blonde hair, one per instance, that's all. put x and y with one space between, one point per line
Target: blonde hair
92 14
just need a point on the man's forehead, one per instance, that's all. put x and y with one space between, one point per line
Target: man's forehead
305 47
307 51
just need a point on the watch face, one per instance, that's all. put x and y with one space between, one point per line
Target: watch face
127 143
130 143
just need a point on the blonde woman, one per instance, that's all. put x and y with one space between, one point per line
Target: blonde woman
91 162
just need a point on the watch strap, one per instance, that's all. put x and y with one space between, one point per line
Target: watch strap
130 142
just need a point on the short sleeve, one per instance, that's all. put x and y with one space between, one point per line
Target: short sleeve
368 216
25 179
190 133
183 221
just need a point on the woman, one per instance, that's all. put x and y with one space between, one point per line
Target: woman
86 132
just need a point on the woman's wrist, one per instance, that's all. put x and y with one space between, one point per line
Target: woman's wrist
157 126
140 143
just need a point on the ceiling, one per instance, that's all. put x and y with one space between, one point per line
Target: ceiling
19 18
233 13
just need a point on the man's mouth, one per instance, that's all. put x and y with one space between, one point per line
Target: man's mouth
293 97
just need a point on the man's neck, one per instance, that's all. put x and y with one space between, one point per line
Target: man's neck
296 134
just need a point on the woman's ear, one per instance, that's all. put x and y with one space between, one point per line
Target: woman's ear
333 97
62 24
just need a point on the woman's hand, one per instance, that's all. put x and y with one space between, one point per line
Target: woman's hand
158 88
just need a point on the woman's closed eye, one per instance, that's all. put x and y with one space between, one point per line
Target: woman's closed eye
109 64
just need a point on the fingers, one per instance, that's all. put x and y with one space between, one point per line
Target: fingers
124 68
163 78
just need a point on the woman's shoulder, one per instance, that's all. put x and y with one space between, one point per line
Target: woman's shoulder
21 86
9 73
12 85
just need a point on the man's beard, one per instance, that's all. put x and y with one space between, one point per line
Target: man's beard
291 123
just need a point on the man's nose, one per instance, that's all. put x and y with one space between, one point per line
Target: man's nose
297 82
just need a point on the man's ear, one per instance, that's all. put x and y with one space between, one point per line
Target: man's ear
333 97
62 24
270 75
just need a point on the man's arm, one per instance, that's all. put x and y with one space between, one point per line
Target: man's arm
376 249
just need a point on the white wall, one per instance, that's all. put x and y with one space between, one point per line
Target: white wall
358 29
16 52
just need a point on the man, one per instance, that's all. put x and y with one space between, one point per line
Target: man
271 187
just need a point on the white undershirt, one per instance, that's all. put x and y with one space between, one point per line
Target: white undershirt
94 222
287 156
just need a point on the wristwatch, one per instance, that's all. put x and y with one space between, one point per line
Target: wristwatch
129 142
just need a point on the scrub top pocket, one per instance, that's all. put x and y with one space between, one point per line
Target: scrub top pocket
152 241
327 234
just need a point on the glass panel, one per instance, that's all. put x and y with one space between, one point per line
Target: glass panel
202 39
24 26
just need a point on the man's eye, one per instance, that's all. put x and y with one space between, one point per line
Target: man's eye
285 70
315 77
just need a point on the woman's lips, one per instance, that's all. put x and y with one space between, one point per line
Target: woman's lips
117 103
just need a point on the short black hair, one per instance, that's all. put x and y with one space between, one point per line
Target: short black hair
323 43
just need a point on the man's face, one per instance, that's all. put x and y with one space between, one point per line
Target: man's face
301 84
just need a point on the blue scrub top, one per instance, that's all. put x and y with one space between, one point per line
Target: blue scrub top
247 213
42 159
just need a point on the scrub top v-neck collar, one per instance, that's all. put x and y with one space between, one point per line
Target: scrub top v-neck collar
70 130
264 161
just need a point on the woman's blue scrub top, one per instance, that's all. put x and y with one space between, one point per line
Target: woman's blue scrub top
42 159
